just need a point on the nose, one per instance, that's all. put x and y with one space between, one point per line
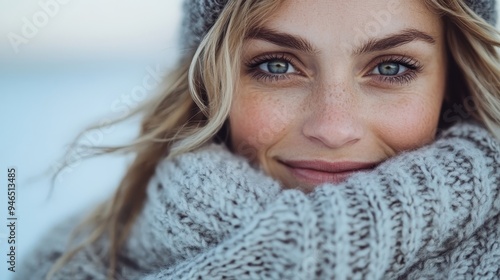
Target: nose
333 118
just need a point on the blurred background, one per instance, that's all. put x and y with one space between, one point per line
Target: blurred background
66 64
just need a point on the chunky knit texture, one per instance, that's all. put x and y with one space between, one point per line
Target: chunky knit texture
200 16
432 213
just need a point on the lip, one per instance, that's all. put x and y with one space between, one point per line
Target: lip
317 172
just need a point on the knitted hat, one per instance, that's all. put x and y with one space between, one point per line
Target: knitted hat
484 8
200 15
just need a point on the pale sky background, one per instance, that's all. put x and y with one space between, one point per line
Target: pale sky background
83 66
92 28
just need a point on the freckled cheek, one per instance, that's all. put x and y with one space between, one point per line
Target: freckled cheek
256 125
408 125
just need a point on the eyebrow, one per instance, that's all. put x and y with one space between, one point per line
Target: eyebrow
282 39
394 40
372 45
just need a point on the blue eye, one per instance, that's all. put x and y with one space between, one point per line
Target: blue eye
277 66
389 69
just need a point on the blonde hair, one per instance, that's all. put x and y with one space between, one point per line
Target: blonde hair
194 107
474 82
191 111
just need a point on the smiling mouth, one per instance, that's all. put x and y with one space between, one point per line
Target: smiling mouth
317 172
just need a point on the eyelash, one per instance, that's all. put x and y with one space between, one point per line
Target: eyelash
413 66
258 74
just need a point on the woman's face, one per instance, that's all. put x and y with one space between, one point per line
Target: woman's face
329 88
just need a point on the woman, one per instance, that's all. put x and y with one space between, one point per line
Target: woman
309 140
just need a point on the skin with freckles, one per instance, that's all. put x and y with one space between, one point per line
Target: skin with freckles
329 88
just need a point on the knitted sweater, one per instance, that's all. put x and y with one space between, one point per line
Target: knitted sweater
432 213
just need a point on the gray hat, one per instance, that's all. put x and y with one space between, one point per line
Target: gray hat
200 15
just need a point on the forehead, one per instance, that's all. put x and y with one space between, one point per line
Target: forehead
345 21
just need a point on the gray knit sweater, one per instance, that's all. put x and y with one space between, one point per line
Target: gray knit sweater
432 213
